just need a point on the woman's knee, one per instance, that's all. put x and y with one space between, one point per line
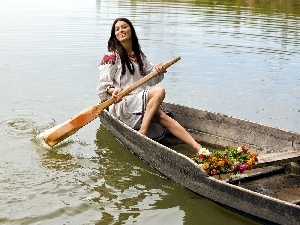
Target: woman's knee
157 92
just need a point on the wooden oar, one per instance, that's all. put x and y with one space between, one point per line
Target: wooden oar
60 132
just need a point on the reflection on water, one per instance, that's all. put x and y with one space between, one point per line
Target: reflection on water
126 189
135 192
237 57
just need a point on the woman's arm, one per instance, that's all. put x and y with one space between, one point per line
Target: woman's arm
107 70
149 67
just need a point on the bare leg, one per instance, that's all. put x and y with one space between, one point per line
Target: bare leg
154 113
156 96
177 130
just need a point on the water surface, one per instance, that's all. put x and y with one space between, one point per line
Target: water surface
239 58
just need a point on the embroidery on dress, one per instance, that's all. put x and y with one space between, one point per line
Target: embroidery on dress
108 59
132 57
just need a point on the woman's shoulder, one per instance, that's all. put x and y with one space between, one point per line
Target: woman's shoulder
109 58
143 56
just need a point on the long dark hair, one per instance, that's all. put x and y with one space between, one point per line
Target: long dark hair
115 46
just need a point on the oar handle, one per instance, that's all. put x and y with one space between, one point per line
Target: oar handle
148 77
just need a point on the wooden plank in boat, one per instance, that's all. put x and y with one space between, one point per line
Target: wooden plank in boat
277 158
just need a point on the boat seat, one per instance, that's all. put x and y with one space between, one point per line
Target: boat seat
277 158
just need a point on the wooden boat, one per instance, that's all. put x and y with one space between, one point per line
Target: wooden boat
269 192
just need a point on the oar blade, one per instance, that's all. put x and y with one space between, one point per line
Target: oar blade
60 132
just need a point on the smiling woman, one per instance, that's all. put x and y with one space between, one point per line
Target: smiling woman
124 65
123 33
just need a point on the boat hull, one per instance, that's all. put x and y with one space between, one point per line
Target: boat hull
187 173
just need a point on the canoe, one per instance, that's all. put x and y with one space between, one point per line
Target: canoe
268 193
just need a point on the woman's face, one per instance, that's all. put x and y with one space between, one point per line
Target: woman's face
122 31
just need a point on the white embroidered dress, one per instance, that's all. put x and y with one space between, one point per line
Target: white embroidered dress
132 107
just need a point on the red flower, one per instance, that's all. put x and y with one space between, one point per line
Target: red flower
202 156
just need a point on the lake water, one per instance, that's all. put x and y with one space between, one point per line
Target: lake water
239 58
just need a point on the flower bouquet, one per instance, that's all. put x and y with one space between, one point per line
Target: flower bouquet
232 161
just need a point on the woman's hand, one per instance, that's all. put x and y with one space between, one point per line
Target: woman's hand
116 95
160 68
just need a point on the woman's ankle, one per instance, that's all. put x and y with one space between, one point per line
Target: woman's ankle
143 131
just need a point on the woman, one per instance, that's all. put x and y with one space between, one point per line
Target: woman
123 65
